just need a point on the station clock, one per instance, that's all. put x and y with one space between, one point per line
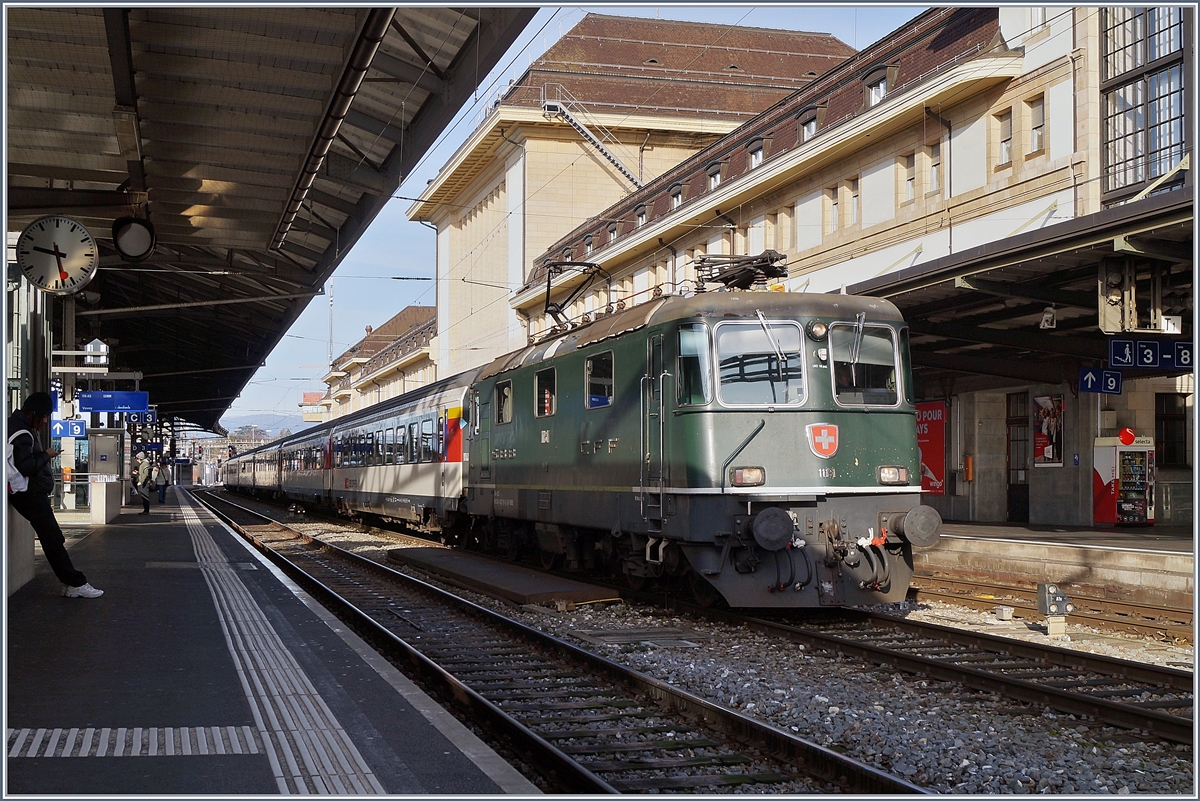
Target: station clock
57 254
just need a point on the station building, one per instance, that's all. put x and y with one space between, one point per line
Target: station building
1017 181
611 106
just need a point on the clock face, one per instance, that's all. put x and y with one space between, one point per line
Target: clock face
58 255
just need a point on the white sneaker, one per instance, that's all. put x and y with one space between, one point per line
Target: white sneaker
86 591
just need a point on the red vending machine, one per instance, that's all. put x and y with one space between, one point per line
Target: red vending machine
1123 480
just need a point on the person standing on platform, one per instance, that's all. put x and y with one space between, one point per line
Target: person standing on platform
144 481
162 478
33 462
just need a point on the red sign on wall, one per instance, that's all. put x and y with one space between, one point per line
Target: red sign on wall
931 439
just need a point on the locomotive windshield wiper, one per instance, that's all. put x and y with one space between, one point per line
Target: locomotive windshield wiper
778 350
856 344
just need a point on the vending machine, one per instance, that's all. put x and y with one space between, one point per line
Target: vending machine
1123 480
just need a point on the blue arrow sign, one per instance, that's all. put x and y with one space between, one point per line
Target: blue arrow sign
1104 382
114 401
68 428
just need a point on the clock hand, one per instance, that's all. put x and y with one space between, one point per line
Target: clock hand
43 250
59 255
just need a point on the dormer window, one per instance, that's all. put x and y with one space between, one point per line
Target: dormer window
877 83
714 175
640 214
676 193
756 152
567 254
612 233
587 245
808 129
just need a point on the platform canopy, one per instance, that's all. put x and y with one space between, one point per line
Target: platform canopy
259 142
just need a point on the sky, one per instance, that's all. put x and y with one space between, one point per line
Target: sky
363 289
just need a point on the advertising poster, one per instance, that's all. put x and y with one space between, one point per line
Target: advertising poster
1047 431
931 440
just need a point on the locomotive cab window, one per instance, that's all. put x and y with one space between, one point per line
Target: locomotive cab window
545 397
598 372
695 365
504 402
864 365
760 363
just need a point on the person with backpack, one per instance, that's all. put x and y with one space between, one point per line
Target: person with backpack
144 480
162 478
30 484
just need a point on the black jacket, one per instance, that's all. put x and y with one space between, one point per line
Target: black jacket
29 455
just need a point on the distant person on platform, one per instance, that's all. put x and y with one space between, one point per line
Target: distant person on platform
33 504
143 480
162 479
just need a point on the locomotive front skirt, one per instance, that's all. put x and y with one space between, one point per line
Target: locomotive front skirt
759 445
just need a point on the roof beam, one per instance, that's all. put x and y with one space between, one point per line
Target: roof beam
125 116
1004 289
134 311
401 70
63 200
1055 373
1045 343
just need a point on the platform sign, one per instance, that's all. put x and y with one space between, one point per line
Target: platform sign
1151 354
114 401
1104 382
149 417
68 428
153 446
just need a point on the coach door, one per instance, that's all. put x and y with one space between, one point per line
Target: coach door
483 432
653 417
1018 435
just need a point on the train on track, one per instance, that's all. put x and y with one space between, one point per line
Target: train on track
760 446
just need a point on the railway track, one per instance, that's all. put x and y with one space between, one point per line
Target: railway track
591 724
1174 625
1155 700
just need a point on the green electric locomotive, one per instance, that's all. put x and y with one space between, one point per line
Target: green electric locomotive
760 445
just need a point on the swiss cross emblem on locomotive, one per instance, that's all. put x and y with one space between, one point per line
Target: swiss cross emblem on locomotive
823 439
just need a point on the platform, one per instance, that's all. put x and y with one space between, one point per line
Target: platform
518 584
218 674
1148 564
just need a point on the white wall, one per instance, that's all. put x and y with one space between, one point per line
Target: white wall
514 180
807 222
1060 120
968 155
443 295
1042 44
879 192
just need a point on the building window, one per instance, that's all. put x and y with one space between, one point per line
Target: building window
1037 124
755 148
1037 19
640 214
831 195
877 90
676 192
1004 123
808 129
854 203
612 232
544 393
1143 97
587 244
910 176
1170 429
714 175
935 167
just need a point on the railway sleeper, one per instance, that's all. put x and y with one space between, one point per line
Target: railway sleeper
629 748
615 704
574 734
590 692
690 782
624 765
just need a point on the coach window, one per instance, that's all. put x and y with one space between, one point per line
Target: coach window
413 443
695 366
504 402
427 440
864 364
544 393
387 446
598 373
400 440
441 438
760 363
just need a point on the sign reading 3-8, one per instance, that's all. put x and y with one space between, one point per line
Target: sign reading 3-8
58 255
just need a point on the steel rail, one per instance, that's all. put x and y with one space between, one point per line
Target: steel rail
809 757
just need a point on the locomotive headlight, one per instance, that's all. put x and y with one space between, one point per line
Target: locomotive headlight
747 476
817 330
893 475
